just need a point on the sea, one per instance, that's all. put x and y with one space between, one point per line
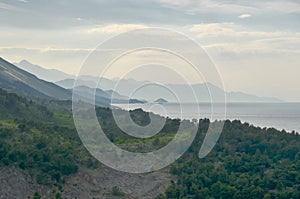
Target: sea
277 115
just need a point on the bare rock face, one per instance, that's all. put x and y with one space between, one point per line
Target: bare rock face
16 184
102 183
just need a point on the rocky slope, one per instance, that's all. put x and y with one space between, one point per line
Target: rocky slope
86 183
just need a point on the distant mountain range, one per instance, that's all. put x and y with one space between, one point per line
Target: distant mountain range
50 75
16 80
150 92
24 83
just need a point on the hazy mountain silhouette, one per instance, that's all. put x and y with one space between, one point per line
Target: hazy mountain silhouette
150 91
16 80
50 75
24 83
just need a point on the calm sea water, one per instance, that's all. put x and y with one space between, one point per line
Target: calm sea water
278 115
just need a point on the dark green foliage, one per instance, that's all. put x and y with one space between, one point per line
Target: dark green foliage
52 154
14 106
34 139
36 195
127 142
140 117
247 162
58 196
115 191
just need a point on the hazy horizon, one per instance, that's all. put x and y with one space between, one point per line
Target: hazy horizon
145 80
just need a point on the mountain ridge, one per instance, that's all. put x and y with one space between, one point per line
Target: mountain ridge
50 75
151 93
125 86
20 81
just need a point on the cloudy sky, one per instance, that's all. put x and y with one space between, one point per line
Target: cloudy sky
255 44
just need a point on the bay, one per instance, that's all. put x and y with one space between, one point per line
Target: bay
277 115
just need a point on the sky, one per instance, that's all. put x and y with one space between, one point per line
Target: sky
255 45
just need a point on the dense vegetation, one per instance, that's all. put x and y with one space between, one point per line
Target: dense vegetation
247 162
40 137
38 140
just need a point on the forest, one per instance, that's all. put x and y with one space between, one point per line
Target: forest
39 136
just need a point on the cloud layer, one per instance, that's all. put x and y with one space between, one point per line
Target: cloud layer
245 38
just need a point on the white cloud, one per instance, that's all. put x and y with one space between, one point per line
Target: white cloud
115 28
243 16
229 30
23 1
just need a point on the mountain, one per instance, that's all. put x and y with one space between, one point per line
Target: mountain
150 92
124 85
16 80
105 97
50 75
69 83
88 93
24 83
244 97
160 101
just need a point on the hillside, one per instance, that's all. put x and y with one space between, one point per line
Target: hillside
47 157
42 155
247 162
16 80
50 75
19 81
13 106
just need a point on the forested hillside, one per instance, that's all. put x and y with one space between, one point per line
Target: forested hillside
36 139
247 162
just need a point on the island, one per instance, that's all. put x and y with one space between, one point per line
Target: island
137 101
161 101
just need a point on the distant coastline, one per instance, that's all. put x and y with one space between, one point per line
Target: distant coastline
283 115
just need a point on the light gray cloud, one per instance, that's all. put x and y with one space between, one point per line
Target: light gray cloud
59 14
10 8
207 6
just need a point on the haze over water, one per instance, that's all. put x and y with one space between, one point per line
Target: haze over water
278 115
